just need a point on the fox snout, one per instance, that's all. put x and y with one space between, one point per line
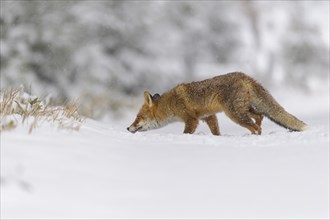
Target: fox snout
142 125
133 129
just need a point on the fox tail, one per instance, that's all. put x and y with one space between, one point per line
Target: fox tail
264 103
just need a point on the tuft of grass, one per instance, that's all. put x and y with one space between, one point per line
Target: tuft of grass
17 106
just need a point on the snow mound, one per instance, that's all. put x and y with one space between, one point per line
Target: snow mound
103 171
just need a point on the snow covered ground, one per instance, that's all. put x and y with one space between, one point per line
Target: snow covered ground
103 171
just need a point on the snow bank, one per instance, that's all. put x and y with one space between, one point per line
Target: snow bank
103 171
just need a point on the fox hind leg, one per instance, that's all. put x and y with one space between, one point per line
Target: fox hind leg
212 122
247 122
241 112
258 117
244 120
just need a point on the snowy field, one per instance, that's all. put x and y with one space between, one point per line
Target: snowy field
103 171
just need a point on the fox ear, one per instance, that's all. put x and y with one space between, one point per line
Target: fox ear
156 97
148 98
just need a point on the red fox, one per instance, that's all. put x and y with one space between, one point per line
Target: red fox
239 96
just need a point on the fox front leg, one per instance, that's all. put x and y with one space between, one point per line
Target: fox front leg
190 125
212 122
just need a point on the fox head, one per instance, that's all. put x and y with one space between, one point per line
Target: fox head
145 119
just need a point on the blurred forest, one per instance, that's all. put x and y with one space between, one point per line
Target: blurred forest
107 52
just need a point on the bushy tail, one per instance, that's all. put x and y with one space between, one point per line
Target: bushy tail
264 103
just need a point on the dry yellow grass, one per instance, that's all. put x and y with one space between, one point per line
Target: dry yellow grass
16 106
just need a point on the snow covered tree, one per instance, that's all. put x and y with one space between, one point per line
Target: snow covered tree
99 50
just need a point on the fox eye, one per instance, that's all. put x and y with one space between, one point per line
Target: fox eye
140 117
